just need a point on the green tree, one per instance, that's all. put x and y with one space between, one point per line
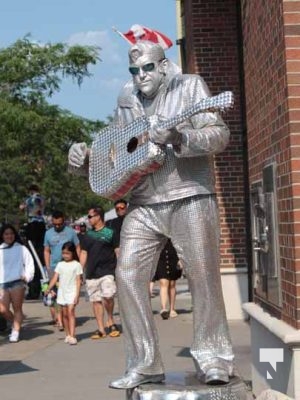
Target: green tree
34 135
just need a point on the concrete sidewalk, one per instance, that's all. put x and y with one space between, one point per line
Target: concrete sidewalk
42 367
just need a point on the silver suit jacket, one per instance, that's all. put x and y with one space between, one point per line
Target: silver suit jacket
188 169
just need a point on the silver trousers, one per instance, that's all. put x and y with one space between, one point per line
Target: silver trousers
193 226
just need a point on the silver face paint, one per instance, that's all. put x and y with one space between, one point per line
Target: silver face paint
143 54
148 82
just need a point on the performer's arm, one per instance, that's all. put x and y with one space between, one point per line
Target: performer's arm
209 136
204 133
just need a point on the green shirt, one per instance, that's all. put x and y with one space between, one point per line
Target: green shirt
101 258
106 234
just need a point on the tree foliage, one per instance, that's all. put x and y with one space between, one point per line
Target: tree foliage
34 135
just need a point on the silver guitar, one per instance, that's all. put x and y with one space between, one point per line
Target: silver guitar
121 155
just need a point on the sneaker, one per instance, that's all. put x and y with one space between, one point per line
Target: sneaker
98 335
60 328
67 338
14 336
72 340
173 314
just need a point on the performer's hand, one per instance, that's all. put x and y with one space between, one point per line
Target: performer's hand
163 136
77 154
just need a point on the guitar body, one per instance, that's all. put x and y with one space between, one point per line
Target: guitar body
114 169
121 155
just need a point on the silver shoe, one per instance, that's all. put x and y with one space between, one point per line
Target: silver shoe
216 376
133 379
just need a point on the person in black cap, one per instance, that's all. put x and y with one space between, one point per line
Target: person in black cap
82 231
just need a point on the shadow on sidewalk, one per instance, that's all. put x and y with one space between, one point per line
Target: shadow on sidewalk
28 332
81 320
32 332
178 310
14 367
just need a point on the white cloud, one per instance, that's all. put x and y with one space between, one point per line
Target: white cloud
93 38
113 83
109 49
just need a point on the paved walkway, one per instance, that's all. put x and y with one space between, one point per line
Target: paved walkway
42 367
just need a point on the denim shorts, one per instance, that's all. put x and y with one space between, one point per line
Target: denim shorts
19 283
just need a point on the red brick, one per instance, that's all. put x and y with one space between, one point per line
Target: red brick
293 78
292 54
291 6
293 66
291 18
294 90
292 41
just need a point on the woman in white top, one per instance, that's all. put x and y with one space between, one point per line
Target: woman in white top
16 269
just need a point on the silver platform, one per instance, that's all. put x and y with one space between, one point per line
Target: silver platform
186 386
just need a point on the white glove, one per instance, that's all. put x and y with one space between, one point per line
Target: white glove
77 154
163 136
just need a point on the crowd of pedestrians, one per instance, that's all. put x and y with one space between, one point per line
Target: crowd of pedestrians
71 258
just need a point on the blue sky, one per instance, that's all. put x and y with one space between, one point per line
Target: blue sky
88 22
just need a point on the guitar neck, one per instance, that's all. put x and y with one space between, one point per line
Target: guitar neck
220 102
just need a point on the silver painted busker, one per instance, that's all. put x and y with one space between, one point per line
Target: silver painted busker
177 201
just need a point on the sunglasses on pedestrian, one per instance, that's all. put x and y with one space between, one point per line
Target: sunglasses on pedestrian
91 216
146 68
120 208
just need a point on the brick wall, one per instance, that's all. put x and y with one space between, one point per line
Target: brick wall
272 91
291 272
212 51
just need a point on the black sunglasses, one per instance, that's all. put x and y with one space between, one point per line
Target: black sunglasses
91 216
146 68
